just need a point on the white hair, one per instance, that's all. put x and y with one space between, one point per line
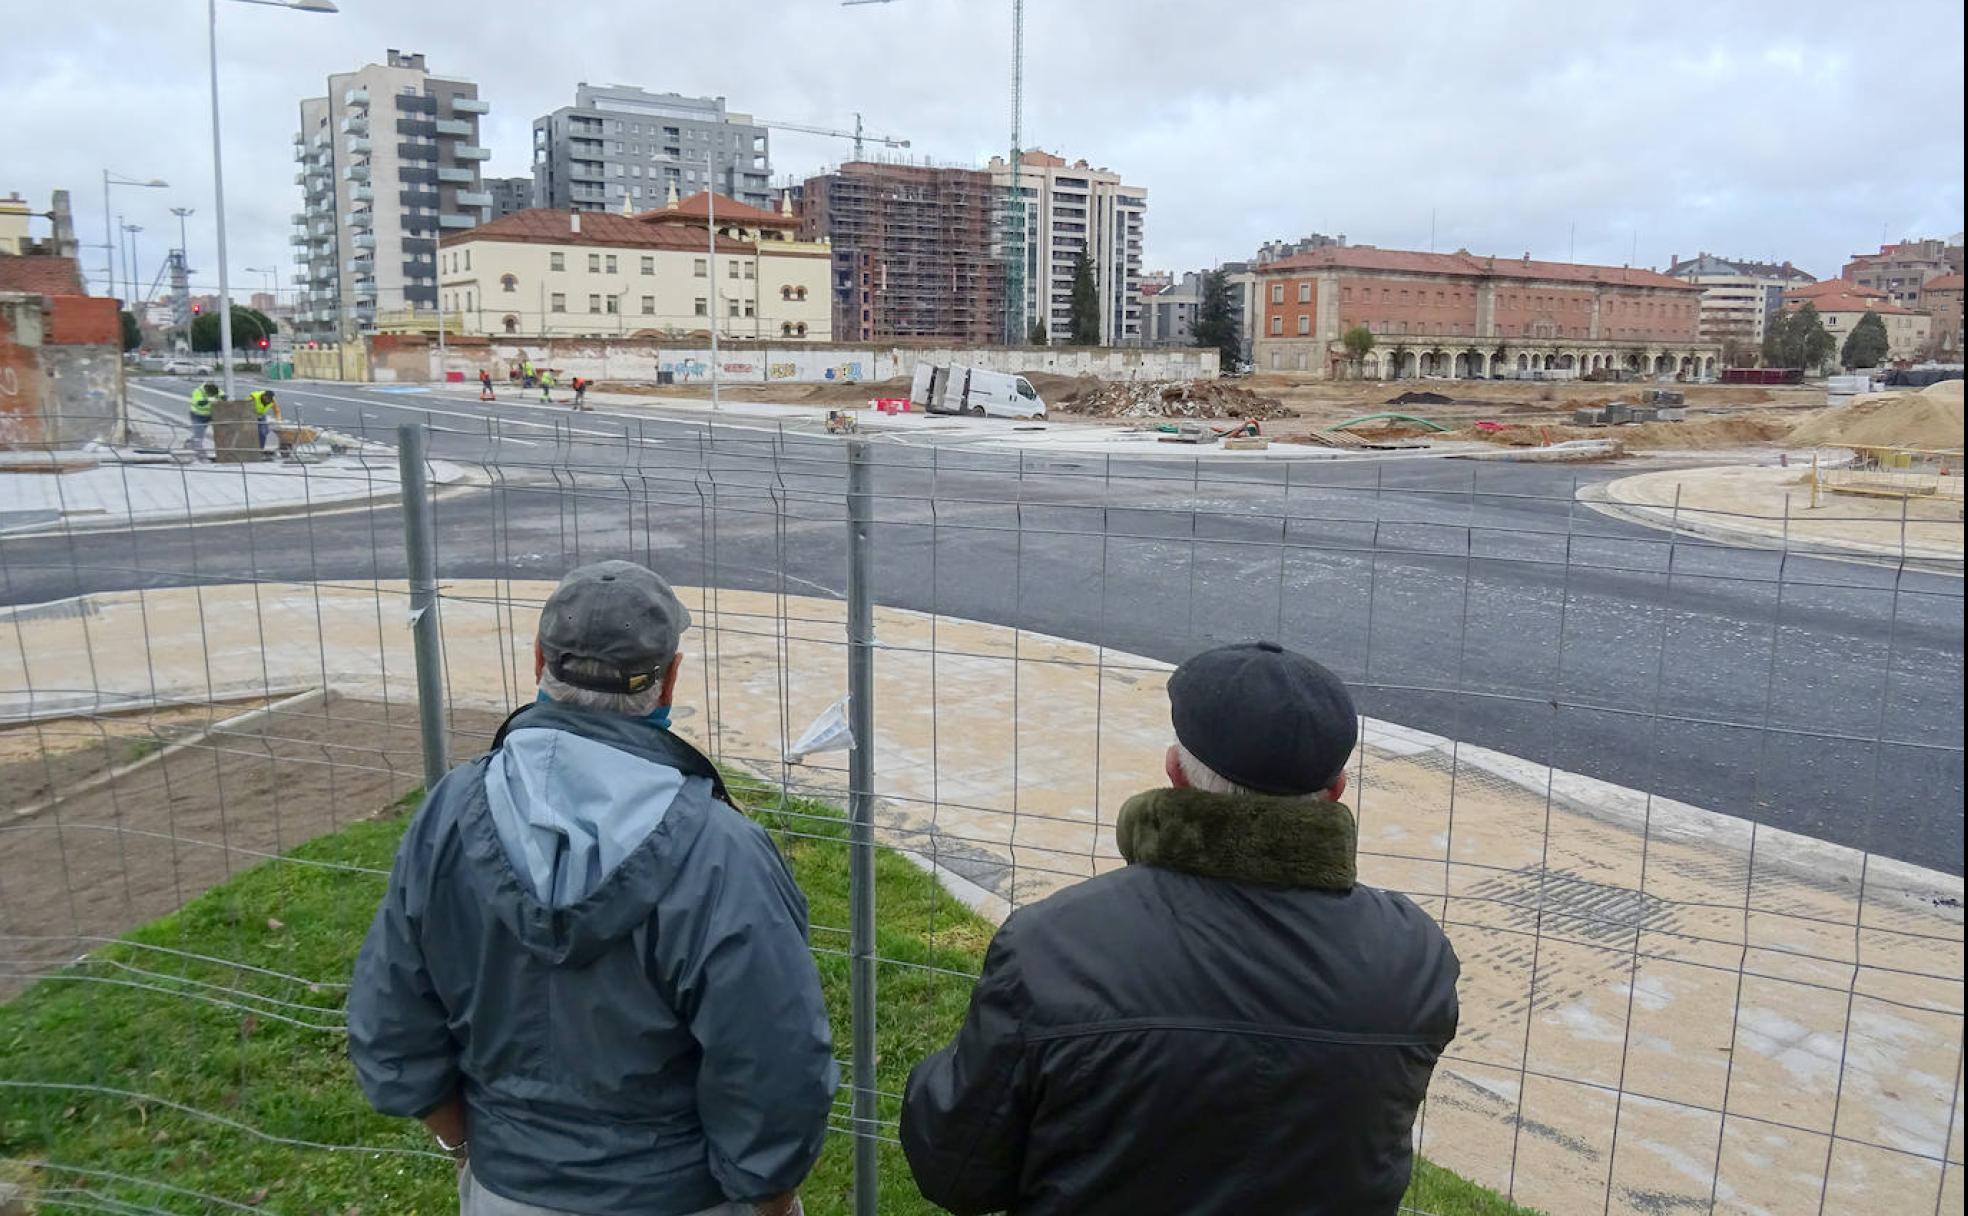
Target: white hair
1202 777
628 704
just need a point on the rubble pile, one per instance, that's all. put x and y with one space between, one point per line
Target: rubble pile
1170 399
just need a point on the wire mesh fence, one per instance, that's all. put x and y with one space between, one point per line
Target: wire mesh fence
1689 810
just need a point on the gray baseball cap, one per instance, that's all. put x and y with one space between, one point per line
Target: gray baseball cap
622 620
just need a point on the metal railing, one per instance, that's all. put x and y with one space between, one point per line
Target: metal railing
1687 809
1888 472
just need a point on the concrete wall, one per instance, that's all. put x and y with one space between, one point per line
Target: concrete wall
61 370
333 361
635 360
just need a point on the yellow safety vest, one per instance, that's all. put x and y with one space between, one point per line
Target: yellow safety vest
201 405
260 403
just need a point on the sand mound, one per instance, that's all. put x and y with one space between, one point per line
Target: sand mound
1725 431
1926 418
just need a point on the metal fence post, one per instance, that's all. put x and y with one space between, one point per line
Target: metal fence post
420 553
861 816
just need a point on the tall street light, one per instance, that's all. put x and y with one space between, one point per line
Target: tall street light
136 273
109 242
218 166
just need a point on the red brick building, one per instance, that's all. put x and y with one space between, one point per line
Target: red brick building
1458 314
1942 299
61 356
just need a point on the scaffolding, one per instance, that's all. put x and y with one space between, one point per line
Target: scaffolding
914 256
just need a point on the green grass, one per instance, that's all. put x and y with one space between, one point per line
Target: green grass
104 1028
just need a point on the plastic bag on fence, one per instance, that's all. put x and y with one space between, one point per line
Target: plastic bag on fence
828 733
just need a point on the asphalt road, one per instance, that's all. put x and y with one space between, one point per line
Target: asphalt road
1473 599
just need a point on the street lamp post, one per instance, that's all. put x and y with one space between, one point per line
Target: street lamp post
218 166
109 242
136 274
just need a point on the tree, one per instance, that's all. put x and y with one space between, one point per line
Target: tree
249 325
1737 353
1037 335
1866 345
1357 341
132 332
1797 339
1083 328
1215 325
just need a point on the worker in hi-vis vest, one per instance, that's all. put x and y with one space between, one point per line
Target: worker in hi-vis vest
201 414
263 405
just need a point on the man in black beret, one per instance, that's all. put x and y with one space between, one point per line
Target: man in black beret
1228 1024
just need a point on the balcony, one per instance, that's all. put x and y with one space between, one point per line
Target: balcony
584 171
363 194
455 126
471 152
474 198
363 240
300 179
359 145
300 259
299 238
456 175
357 96
356 173
355 124
362 219
450 220
300 155
362 266
470 105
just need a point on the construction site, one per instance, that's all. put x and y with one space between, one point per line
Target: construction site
912 251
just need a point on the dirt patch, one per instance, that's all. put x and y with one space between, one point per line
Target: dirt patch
108 859
1169 399
1713 431
61 753
1928 418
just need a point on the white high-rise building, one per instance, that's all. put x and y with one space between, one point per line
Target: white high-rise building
388 161
1066 209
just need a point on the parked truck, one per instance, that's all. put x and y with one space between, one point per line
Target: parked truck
954 389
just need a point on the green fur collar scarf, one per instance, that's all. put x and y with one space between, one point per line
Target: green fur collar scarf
1274 842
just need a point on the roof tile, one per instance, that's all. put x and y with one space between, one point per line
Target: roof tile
1363 257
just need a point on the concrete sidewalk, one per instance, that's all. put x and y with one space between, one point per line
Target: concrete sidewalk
1660 1002
1770 507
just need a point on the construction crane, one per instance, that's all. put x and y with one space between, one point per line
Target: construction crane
857 134
1014 230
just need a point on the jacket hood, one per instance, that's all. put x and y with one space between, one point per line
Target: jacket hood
583 826
1256 838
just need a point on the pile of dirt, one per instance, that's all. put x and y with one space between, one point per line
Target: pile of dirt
1168 399
1420 398
1909 418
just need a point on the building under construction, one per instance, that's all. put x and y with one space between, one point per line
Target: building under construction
913 251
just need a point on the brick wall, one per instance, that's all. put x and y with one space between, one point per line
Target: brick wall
20 371
61 370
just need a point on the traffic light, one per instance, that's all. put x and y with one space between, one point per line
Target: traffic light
263 343
197 309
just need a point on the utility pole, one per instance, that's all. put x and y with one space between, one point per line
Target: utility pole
711 231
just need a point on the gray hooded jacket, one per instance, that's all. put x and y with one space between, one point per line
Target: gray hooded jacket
609 963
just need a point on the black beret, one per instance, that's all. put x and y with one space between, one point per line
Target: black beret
1264 717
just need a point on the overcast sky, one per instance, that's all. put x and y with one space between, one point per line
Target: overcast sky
1799 130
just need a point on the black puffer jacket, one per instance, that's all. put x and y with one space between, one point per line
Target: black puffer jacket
1229 1025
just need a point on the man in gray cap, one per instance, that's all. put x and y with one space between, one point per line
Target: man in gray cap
1230 1023
589 975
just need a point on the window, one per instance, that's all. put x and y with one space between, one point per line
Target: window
594 263
649 306
1304 324
610 259
508 283
1346 295
559 302
703 307
511 323
1277 325
1305 293
594 303
467 259
701 268
613 305
733 269
748 308
799 293
556 261
731 308
749 271
1277 293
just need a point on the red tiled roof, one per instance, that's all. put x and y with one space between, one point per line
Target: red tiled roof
1834 287
1469 265
546 226
1946 282
729 210
40 274
1849 302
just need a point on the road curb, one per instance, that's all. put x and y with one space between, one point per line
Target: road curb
1598 496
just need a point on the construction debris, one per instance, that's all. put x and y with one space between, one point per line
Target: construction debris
1169 399
1622 413
1420 398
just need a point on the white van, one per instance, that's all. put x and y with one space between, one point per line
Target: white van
974 390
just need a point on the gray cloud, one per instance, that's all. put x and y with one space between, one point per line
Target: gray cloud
1641 130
